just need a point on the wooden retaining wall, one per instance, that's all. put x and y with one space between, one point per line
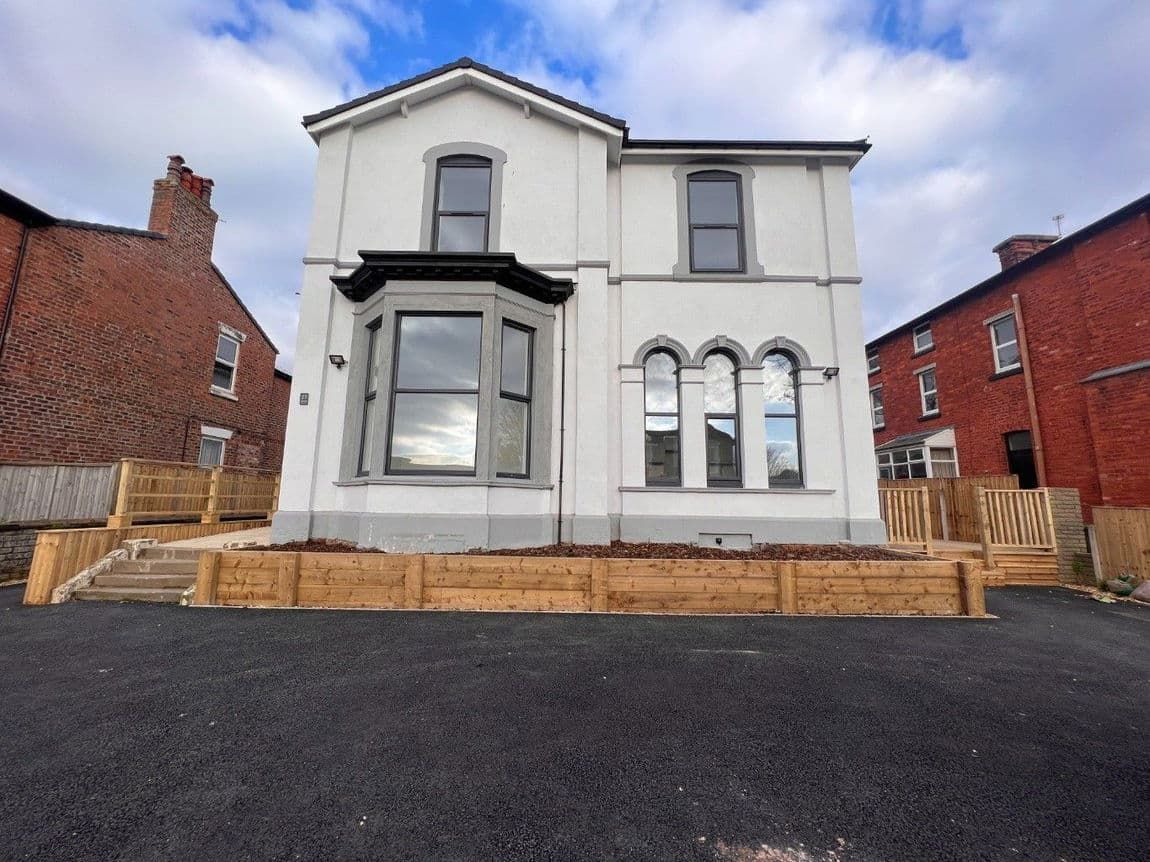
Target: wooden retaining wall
62 554
509 583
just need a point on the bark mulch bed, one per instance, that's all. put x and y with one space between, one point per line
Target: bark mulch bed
638 550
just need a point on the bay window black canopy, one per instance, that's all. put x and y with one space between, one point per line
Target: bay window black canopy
379 267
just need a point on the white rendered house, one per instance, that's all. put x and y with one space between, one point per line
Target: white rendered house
518 322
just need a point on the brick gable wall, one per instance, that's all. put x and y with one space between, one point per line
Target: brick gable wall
112 343
1086 308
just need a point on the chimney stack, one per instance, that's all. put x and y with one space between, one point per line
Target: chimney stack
1016 249
182 207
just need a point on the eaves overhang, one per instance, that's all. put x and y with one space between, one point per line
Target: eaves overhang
502 268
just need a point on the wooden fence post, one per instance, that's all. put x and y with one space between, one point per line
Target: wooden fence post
207 578
1048 510
275 497
413 582
212 514
287 581
598 591
927 538
122 516
788 589
984 530
973 594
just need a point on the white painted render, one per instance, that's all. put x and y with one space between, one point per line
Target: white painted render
576 205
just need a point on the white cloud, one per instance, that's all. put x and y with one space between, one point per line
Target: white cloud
1045 114
97 94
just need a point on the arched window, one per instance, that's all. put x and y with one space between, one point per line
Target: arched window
721 410
661 404
781 417
462 203
715 219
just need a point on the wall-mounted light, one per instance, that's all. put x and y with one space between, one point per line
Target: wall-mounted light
337 360
831 371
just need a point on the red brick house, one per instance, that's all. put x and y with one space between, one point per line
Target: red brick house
117 342
1042 370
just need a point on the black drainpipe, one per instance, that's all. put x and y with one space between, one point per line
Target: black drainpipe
10 305
562 412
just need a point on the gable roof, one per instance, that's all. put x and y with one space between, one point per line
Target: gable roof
22 211
1141 205
468 63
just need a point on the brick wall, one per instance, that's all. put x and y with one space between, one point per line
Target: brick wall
112 343
11 232
1074 565
16 547
1086 306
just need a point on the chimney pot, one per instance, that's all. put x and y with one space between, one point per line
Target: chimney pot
1015 249
175 165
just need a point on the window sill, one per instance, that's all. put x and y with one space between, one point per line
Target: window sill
926 417
871 371
878 427
923 352
442 482
224 393
675 489
1009 372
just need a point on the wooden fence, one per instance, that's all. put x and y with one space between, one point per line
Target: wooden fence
462 582
953 502
1019 518
62 554
1122 540
160 490
907 515
55 493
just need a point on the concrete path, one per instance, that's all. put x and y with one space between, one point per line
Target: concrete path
261 535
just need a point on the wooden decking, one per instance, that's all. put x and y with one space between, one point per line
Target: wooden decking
1013 565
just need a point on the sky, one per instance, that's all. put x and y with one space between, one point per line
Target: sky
987 118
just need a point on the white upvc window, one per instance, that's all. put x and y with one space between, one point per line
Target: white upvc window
872 363
211 451
943 462
928 391
923 338
224 370
877 412
902 464
1004 343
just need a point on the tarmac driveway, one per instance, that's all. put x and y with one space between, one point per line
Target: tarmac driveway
157 732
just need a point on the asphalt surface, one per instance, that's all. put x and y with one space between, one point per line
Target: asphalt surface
142 732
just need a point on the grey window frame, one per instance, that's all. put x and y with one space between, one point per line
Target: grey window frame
914 336
718 176
396 390
681 270
462 160
737 481
369 394
527 399
678 415
797 415
431 160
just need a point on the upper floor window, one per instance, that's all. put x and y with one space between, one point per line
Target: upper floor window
227 357
462 204
721 414
781 418
877 411
928 390
1004 340
715 222
872 363
661 421
923 338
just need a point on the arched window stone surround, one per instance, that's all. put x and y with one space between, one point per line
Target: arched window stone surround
682 267
723 344
662 342
785 345
462 148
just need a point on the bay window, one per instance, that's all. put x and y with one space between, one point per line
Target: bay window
513 411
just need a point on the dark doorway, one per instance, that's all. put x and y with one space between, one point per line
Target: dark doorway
1020 458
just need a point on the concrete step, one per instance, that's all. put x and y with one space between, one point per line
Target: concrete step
165 552
127 594
145 581
154 567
